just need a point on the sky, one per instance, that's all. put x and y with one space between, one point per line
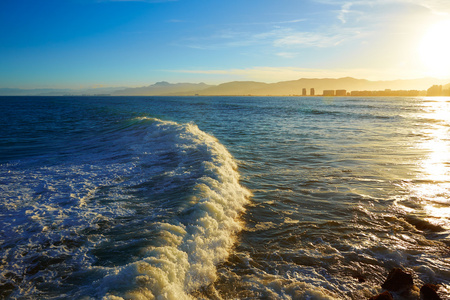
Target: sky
112 43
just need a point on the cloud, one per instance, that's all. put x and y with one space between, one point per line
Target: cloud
280 37
436 6
287 22
307 39
330 37
287 54
226 38
344 11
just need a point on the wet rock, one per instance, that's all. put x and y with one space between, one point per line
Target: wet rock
361 279
398 281
423 225
6 289
428 292
383 296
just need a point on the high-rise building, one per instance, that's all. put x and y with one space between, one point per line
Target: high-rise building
312 92
341 93
303 92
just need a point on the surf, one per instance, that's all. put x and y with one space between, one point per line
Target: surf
202 234
145 211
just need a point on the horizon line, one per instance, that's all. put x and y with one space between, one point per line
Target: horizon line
105 86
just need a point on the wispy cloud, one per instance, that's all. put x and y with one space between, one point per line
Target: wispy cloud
226 38
287 54
284 22
345 9
280 37
296 39
436 6
440 7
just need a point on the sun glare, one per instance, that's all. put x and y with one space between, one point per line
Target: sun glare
434 185
434 49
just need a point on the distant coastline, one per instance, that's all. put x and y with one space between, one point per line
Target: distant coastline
346 86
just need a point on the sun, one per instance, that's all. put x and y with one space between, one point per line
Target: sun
434 49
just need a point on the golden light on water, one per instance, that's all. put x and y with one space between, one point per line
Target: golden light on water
434 49
437 139
435 167
434 184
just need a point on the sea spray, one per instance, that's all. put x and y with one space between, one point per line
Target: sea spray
203 233
145 209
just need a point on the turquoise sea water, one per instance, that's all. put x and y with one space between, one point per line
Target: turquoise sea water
221 197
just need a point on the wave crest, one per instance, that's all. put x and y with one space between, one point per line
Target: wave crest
201 236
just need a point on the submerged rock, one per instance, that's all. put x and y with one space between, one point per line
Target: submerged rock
398 281
361 279
428 292
383 296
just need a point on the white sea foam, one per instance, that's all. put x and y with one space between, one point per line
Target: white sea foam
59 213
192 245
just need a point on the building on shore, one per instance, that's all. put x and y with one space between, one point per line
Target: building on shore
341 92
389 92
435 90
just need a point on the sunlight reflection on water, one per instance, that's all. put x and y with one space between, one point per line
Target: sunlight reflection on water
434 184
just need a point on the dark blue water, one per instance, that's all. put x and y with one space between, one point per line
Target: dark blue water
221 197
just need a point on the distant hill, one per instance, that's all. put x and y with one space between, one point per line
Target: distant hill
234 88
31 92
57 92
162 88
237 88
295 87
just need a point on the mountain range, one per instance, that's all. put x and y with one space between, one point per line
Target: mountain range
239 88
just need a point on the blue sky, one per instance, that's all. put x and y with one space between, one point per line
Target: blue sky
89 43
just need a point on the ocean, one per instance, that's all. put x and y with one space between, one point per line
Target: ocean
222 197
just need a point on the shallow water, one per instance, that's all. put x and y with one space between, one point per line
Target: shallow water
222 197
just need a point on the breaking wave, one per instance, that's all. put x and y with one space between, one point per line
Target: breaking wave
147 213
